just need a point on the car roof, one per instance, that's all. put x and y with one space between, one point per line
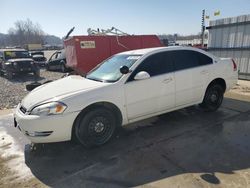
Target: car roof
159 49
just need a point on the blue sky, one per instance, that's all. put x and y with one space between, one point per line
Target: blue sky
134 17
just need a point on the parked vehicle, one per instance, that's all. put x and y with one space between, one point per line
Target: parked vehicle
57 61
14 61
125 88
38 57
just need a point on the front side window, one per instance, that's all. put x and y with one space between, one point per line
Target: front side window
156 64
109 70
16 54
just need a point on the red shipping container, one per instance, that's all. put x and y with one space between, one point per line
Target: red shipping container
83 53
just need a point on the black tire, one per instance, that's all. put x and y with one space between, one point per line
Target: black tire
213 98
63 68
31 86
95 128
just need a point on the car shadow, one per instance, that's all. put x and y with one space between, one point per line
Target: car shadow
180 142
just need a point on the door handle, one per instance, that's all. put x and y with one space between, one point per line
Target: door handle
167 80
204 72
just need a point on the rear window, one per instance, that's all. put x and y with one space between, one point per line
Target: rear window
204 59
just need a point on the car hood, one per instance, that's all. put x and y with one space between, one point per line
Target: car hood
20 59
58 89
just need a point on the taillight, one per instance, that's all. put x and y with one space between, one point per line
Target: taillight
234 65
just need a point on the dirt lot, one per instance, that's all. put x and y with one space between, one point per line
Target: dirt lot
10 88
13 91
186 148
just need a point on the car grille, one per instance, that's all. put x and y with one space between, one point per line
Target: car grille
24 64
23 110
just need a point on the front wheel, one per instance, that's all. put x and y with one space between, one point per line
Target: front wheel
213 98
95 128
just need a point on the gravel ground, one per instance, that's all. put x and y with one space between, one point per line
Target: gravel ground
242 87
13 91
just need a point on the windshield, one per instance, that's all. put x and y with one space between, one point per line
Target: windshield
109 70
16 54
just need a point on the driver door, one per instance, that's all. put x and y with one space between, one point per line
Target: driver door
54 59
154 94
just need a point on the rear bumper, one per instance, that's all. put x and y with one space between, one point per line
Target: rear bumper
45 129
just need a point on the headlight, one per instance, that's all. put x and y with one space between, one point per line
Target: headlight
51 108
32 62
8 63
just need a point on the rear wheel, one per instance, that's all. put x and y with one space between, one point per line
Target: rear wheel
95 128
213 98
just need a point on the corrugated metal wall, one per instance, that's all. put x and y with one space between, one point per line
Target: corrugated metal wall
241 57
230 37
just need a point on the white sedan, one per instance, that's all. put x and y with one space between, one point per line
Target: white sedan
125 88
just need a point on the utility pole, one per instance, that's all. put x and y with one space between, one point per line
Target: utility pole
202 27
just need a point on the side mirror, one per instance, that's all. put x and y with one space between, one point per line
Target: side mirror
124 69
142 75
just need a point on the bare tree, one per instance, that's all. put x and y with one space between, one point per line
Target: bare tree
26 32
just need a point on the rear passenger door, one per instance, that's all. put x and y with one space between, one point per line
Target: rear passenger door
157 93
191 76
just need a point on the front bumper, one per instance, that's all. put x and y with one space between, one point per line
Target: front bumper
45 129
18 69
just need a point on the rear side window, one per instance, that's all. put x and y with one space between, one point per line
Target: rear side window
184 59
204 59
156 64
